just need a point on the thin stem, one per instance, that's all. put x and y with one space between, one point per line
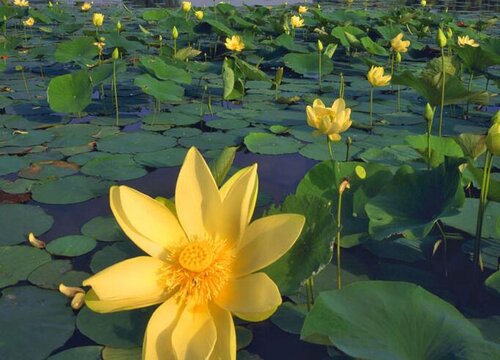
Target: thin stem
330 151
175 47
25 83
443 78
469 89
371 106
429 149
310 292
488 161
337 240
348 147
320 68
116 95
445 248
342 86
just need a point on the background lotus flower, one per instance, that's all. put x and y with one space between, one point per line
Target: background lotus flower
86 7
21 3
29 22
97 19
376 76
186 6
199 15
330 121
296 22
465 40
399 45
203 264
235 43
302 9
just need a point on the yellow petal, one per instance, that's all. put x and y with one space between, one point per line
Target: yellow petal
318 103
239 195
311 116
197 197
107 306
334 137
157 343
225 347
265 241
195 334
252 294
148 223
255 317
338 105
136 280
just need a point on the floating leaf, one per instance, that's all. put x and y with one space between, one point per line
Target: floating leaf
161 90
263 143
308 64
114 167
69 190
82 352
17 221
55 272
103 229
17 262
71 245
70 93
139 142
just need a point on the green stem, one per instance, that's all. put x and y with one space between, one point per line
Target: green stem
443 78
488 161
429 149
469 89
348 147
320 68
337 240
371 106
25 83
342 86
445 248
310 292
116 94
330 151
175 47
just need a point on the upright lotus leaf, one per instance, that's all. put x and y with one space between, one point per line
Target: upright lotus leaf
314 248
323 181
372 47
441 147
79 49
221 165
382 320
307 64
345 34
163 71
250 72
234 88
286 41
415 199
473 145
430 88
104 72
161 90
477 59
70 93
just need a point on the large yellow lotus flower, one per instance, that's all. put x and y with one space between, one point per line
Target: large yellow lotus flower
465 40
186 6
86 7
98 19
21 3
376 76
303 9
330 121
400 45
235 43
203 265
29 22
296 22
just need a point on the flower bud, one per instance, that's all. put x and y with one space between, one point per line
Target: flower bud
343 186
496 118
348 141
39 244
118 25
423 3
320 46
441 38
428 113
70 291
116 54
449 33
279 75
493 139
198 15
78 301
398 57
175 33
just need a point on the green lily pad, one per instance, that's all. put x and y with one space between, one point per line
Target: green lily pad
17 221
308 64
49 169
103 229
17 262
493 283
414 200
26 311
112 254
80 49
70 93
403 321
110 353
55 272
163 71
270 144
163 158
69 190
211 141
10 164
81 352
162 90
71 245
140 142
114 167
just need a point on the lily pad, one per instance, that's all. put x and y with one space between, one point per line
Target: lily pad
70 93
55 272
71 245
114 167
10 164
17 221
82 352
17 262
162 90
69 190
140 142
308 64
270 144
103 229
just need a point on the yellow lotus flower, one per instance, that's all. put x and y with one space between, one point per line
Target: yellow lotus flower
203 264
296 22
235 43
198 15
86 7
29 22
493 139
21 3
303 9
186 6
423 3
330 121
376 76
399 45
465 40
98 19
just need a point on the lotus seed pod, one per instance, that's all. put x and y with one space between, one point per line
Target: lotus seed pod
428 113
441 38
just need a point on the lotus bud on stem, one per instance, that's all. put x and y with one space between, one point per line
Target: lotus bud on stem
278 78
175 35
342 187
429 118
441 41
348 143
21 69
320 53
115 56
342 86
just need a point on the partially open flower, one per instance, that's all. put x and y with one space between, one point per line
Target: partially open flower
21 3
198 15
330 121
235 43
376 76
86 7
97 19
296 22
29 22
204 264
399 45
303 9
465 40
186 6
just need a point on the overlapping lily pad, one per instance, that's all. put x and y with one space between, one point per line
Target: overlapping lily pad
17 221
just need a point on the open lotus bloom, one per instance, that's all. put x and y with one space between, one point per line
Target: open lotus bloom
235 43
465 40
400 45
330 121
296 22
203 265
376 76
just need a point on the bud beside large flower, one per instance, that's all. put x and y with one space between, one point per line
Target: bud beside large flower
493 139
330 121
376 76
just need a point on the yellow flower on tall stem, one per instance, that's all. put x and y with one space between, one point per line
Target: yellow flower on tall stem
198 15
186 6
296 22
21 3
203 266
462 41
29 22
85 7
98 19
235 43
302 9
329 121
376 78
400 45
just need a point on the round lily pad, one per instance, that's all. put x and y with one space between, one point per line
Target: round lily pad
17 262
71 245
210 141
169 118
55 272
49 169
34 323
162 158
114 167
183 132
12 163
17 221
128 143
112 254
81 352
270 144
103 229
227 124
70 190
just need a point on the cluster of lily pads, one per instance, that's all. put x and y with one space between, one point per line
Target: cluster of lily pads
402 214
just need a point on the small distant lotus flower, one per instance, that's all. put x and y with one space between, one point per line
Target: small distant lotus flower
235 43
330 121
423 3
204 264
100 44
376 76
21 3
296 22
303 9
399 45
198 15
98 19
493 139
186 6
29 22
86 7
465 40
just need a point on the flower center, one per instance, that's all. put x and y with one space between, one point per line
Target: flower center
196 256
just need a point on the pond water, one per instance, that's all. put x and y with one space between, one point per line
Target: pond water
62 157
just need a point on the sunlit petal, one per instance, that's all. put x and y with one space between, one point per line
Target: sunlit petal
225 347
106 306
318 103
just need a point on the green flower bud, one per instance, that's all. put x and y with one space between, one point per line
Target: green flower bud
449 33
441 38
175 33
428 113
116 54
119 26
425 29
19 67
496 118
398 57
320 46
493 139
279 75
